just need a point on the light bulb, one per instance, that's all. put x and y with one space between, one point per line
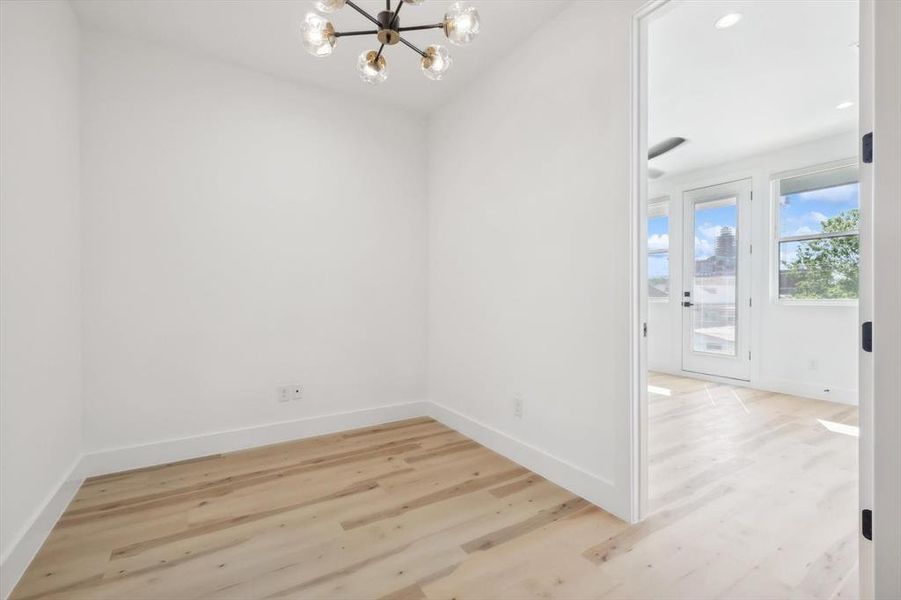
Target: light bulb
436 62
372 70
329 6
461 23
318 35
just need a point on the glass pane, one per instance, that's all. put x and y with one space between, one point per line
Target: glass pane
831 209
658 233
658 275
825 269
713 290
658 246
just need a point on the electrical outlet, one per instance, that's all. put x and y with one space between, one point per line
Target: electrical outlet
297 392
284 393
518 406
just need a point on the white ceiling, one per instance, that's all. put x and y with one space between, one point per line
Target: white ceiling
772 80
264 35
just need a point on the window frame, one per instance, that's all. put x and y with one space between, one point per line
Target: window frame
776 239
665 201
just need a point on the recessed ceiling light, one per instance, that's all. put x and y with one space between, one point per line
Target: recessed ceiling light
844 105
727 21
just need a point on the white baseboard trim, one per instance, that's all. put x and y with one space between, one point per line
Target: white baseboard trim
779 386
595 489
157 453
14 563
807 390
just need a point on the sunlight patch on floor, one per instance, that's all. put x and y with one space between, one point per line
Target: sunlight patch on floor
834 427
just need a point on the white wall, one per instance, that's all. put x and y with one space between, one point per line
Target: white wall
798 348
40 290
242 232
528 224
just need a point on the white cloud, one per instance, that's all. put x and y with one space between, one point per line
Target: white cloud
802 230
711 231
658 241
815 217
841 193
703 248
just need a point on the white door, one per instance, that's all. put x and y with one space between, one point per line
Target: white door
716 296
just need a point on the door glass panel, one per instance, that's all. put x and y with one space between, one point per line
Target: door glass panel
713 291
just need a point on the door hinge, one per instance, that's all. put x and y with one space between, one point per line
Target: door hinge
866 148
749 355
866 523
644 330
752 195
866 336
750 302
751 248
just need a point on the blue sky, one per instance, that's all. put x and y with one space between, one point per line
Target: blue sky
658 239
709 221
802 213
799 214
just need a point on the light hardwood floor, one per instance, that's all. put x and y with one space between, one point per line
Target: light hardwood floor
753 497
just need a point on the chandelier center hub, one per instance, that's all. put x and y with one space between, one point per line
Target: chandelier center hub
389 23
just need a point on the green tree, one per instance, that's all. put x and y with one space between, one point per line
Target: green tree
827 268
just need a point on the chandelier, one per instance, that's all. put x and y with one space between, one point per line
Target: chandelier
460 25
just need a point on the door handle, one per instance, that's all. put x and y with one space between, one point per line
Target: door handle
687 304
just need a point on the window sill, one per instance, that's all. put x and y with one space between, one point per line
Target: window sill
818 303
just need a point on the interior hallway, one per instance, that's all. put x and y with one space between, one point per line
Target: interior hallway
753 493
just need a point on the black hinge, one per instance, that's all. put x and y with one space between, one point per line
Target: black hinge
866 523
644 329
866 148
866 336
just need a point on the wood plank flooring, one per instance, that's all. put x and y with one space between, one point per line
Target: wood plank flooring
753 497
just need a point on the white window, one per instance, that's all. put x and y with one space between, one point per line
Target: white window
658 250
817 241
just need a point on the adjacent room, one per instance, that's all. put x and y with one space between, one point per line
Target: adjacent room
753 274
351 299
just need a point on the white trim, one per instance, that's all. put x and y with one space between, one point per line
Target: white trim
14 563
147 455
778 386
776 238
597 490
637 409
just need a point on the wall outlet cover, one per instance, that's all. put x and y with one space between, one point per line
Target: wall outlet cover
284 393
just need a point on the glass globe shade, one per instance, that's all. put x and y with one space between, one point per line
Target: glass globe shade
329 6
436 62
318 35
371 70
461 23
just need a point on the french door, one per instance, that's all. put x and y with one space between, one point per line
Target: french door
716 296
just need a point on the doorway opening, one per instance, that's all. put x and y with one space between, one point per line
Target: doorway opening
750 257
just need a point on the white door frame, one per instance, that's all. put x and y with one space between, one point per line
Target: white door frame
739 365
880 379
880 297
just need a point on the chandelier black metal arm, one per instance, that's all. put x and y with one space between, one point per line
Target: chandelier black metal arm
364 13
352 33
412 47
460 26
388 31
421 27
